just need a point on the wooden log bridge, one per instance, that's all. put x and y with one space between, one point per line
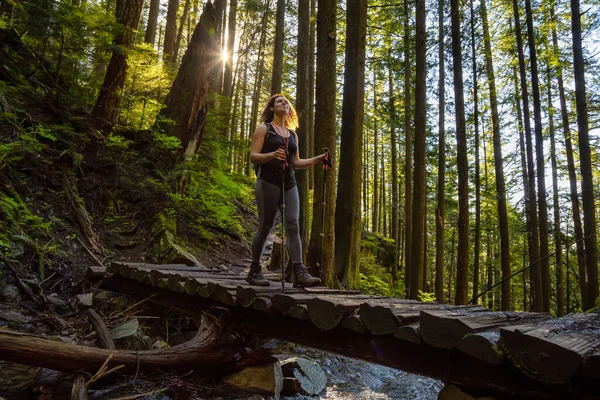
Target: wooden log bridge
499 354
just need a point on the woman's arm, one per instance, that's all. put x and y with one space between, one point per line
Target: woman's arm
308 162
258 140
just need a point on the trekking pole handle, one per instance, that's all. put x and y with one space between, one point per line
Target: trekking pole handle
285 162
328 160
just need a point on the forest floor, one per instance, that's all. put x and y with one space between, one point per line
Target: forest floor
71 198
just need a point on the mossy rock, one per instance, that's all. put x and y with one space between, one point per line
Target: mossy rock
163 246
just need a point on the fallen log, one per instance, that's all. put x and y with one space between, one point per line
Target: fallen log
208 351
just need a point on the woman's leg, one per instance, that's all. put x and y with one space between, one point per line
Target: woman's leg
267 201
292 228
292 212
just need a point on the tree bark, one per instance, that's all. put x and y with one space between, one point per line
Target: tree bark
558 268
311 90
408 153
150 36
186 103
184 16
208 351
228 74
534 243
587 183
395 200
107 104
375 215
462 266
498 166
575 209
276 76
477 244
302 107
325 136
441 182
541 171
170 30
347 210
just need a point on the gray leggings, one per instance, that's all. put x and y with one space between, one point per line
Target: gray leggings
268 197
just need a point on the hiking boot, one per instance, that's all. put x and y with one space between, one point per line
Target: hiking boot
303 278
255 276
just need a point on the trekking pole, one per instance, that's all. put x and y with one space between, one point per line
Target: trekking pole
328 163
283 165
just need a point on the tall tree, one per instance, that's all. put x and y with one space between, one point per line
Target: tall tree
574 196
276 76
325 111
558 268
184 16
302 106
170 29
477 246
347 210
462 266
587 184
107 104
419 185
393 139
539 150
375 215
498 166
228 74
408 152
150 36
311 89
441 182
534 248
186 103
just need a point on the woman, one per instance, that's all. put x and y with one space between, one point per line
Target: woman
275 145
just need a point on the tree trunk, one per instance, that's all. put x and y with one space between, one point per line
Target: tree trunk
441 182
499 168
228 75
107 104
571 168
311 91
417 262
541 171
217 86
477 245
175 54
347 210
408 152
587 183
302 106
186 103
208 351
534 248
170 30
375 215
393 139
462 266
276 76
558 269
152 22
325 136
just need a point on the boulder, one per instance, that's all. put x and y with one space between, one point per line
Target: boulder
163 245
309 376
266 379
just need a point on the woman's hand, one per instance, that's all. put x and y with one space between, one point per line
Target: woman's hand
279 154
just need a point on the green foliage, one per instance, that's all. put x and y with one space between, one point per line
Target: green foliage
374 279
427 297
120 146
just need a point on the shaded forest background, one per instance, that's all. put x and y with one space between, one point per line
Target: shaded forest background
465 136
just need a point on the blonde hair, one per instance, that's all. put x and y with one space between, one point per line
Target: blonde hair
291 121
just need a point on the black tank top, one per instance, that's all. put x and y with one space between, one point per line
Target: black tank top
272 170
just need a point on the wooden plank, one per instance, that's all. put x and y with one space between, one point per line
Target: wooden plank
484 346
299 311
326 313
262 304
410 333
246 294
552 351
385 319
444 329
222 292
204 276
115 266
95 272
354 323
283 302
